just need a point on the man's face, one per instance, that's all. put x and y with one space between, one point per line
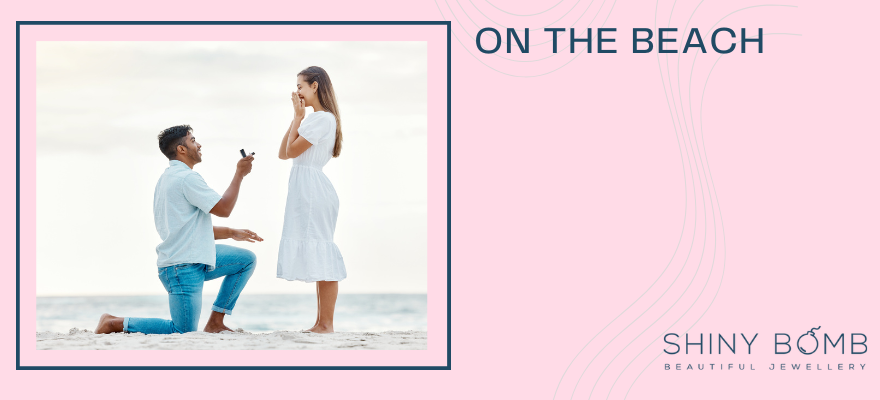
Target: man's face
193 149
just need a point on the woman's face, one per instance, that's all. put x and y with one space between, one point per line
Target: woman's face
307 92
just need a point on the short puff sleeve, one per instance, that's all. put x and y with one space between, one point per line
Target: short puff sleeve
317 127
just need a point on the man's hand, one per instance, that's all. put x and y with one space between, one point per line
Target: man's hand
244 166
224 207
244 235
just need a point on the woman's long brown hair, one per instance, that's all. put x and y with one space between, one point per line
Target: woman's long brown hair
327 98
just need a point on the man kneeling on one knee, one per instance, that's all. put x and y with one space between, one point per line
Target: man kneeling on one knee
187 255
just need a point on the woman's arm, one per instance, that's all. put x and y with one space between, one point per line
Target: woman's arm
282 152
296 145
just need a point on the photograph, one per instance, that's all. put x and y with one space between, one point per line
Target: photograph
223 195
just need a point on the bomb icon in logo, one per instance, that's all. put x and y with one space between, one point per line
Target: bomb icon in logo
805 340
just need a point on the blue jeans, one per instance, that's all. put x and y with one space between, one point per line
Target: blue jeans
184 284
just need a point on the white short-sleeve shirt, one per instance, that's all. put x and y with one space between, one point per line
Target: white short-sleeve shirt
182 204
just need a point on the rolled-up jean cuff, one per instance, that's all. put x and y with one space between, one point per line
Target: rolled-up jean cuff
125 325
221 310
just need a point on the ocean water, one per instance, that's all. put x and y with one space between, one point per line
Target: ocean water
256 313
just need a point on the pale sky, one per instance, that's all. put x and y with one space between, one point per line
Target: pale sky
100 106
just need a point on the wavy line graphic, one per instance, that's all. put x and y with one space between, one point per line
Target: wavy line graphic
525 15
695 150
719 214
676 128
677 125
711 182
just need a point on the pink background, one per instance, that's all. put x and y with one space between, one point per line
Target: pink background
609 196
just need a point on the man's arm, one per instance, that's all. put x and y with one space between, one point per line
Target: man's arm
224 207
222 232
246 235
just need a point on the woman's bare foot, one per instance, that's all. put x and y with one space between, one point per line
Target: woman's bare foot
321 328
109 324
327 292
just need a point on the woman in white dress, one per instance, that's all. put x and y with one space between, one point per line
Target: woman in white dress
307 252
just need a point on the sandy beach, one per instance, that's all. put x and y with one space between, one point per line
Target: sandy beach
85 339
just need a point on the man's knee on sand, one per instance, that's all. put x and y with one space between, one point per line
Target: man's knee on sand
184 326
183 329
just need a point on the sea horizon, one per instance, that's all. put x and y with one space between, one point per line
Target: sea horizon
257 312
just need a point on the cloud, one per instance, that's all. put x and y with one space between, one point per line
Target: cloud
94 94
100 106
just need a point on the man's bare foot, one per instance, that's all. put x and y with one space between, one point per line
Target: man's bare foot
215 323
109 324
216 328
321 328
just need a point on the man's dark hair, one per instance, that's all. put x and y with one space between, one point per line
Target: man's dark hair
172 137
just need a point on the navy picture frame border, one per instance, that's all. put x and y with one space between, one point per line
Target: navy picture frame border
448 365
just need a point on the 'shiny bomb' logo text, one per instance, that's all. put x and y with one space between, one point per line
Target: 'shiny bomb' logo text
807 343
